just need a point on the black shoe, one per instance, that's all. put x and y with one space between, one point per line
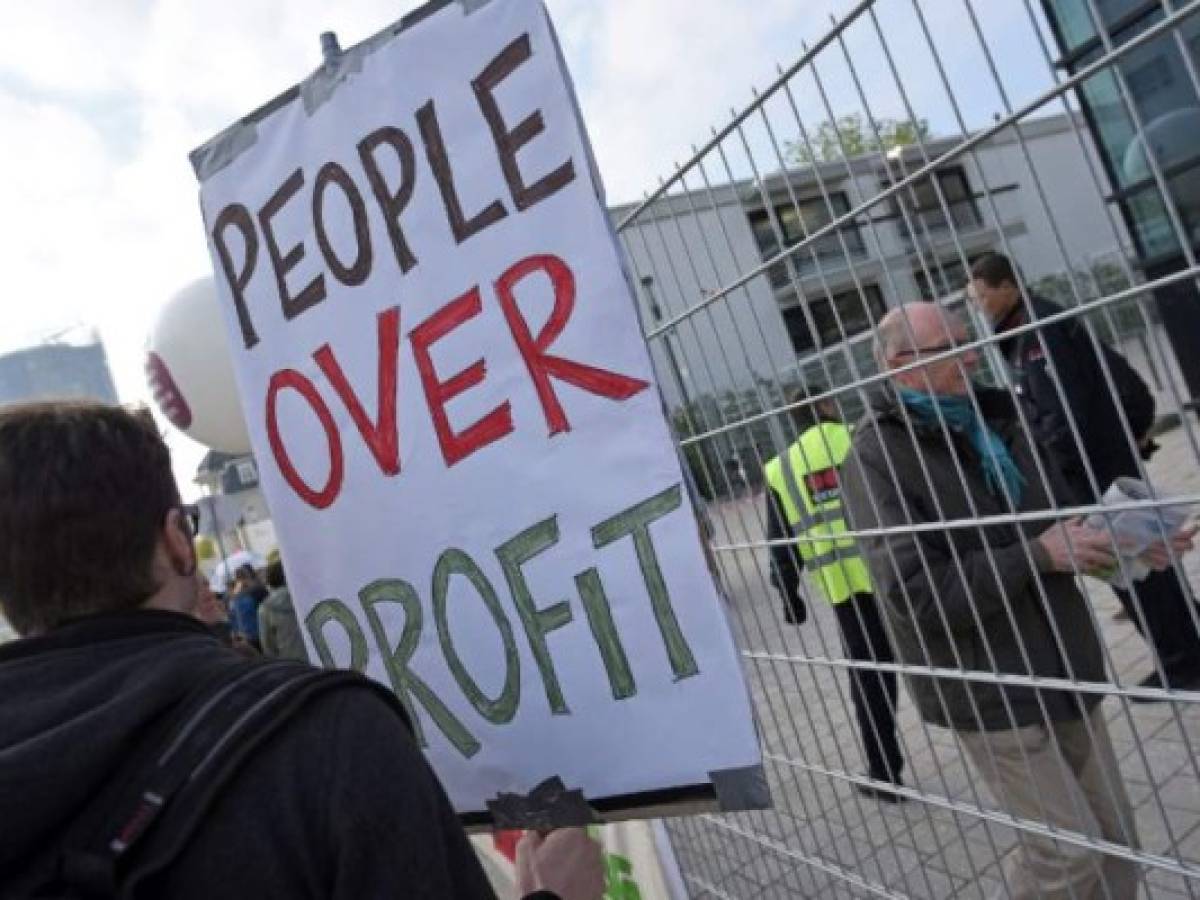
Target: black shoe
1179 681
883 794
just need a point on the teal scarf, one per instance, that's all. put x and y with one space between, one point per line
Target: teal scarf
999 469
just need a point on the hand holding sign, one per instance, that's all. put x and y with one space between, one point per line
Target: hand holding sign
565 862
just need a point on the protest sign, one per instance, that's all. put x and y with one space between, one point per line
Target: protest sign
457 430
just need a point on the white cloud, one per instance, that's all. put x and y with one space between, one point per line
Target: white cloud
218 60
660 74
73 46
55 174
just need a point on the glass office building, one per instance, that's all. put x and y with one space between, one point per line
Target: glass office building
56 371
1146 108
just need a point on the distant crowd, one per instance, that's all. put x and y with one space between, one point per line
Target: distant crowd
255 613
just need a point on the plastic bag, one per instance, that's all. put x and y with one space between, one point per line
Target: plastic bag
1135 530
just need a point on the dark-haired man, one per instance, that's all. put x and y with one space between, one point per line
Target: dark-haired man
110 688
1062 354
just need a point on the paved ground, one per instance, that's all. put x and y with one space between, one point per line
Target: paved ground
822 840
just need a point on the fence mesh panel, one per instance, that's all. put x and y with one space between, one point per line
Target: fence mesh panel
913 139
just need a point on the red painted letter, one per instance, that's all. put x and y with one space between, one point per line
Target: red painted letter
290 378
493 426
381 436
541 364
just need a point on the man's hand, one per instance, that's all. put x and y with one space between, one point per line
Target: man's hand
1073 546
1158 557
565 862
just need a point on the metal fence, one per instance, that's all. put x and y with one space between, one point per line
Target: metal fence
870 174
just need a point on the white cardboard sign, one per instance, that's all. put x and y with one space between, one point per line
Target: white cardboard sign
454 415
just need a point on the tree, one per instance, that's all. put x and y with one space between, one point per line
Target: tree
852 135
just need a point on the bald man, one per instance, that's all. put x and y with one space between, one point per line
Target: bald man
991 599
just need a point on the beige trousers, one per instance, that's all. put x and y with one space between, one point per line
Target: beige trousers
1069 779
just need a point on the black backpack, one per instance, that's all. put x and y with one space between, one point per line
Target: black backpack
1132 392
165 790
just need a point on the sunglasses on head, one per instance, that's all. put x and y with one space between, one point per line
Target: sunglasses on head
191 515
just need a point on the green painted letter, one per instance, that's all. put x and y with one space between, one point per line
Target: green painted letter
337 611
406 683
538 622
604 630
635 522
504 707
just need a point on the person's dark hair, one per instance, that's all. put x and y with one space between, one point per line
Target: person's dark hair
84 491
275 579
805 416
245 572
994 269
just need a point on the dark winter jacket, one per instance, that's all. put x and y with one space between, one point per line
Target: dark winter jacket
340 803
1067 348
278 627
966 597
786 562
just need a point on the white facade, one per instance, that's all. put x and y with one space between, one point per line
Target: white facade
242 519
699 242
692 246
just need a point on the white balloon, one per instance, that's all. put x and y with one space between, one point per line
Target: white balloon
190 370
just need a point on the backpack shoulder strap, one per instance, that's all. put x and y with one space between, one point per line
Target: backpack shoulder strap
178 776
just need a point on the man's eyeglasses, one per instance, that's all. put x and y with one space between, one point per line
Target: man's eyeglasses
191 515
940 348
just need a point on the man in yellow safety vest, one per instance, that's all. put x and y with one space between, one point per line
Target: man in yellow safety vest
804 501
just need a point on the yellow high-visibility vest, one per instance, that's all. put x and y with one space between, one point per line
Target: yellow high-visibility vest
817 513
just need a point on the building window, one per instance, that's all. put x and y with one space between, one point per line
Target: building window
798 220
1074 17
246 472
935 281
855 312
1162 91
918 207
1166 102
1148 79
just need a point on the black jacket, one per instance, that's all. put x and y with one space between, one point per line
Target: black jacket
786 562
339 804
1088 397
966 597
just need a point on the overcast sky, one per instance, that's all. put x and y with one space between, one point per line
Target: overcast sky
101 102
